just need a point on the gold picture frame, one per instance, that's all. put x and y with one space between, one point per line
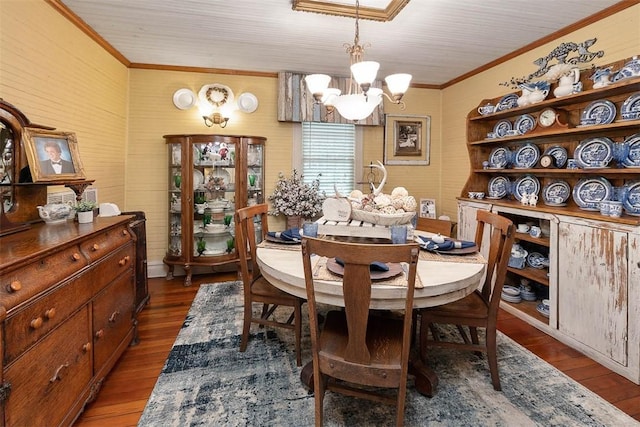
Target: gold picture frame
406 140
63 146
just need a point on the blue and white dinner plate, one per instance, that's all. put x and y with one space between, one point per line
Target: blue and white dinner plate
526 156
630 109
499 158
589 192
542 310
498 187
594 152
525 123
556 193
502 127
629 70
559 153
631 202
536 260
633 157
599 112
527 184
507 102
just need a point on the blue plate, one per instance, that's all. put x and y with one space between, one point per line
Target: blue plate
633 157
527 184
631 201
525 123
629 70
526 156
594 152
630 109
559 153
507 102
599 112
589 192
499 158
498 187
556 193
502 127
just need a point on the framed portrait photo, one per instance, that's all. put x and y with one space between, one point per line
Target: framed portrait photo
406 140
52 155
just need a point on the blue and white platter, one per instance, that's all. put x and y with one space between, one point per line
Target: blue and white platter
633 157
629 70
527 184
525 123
559 153
526 156
631 201
589 192
502 127
499 158
507 102
498 187
556 193
630 109
594 152
599 112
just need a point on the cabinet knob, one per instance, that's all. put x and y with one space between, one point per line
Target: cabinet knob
56 375
86 347
50 314
36 323
125 233
124 261
75 257
14 286
114 316
100 334
95 247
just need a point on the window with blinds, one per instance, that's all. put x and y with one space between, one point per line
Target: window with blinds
329 149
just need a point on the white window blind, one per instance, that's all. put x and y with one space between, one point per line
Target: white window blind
329 149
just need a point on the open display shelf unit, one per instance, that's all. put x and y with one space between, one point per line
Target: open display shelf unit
209 177
593 278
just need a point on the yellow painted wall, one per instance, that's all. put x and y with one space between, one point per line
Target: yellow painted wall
59 77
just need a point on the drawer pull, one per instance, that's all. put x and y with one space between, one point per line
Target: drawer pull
124 261
114 316
56 375
125 233
36 323
95 247
75 257
100 334
14 286
86 347
50 314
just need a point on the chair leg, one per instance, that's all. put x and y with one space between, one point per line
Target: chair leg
492 357
248 312
319 387
297 311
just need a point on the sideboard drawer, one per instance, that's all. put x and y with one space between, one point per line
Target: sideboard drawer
111 267
101 244
26 326
19 285
51 377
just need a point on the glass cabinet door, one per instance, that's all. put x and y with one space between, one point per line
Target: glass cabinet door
175 200
255 174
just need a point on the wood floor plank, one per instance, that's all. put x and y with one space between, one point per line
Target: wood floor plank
126 390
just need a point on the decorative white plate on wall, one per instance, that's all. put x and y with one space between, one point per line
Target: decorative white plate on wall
184 99
247 102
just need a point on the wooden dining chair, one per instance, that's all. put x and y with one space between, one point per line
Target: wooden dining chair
256 288
438 226
480 308
357 352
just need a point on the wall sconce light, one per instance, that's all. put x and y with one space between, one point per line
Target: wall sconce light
215 119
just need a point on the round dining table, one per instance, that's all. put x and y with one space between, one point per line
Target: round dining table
442 280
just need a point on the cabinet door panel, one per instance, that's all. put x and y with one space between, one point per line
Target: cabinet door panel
593 288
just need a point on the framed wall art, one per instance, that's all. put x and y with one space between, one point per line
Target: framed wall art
52 155
406 140
427 208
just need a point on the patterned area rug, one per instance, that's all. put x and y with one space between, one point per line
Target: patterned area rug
206 381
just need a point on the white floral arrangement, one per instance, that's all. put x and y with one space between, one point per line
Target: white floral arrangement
293 197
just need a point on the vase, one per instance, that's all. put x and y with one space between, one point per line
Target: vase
294 221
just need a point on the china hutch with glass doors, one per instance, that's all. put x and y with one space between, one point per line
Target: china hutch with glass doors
591 273
209 177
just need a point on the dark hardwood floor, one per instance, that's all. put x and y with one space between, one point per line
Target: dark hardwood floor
125 391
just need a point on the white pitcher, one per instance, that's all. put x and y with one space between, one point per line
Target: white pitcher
568 83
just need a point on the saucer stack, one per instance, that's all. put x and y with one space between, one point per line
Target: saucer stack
511 294
527 294
543 308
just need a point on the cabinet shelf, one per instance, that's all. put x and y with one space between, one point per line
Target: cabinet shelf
527 307
543 241
538 275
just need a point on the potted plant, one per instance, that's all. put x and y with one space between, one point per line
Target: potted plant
85 211
296 199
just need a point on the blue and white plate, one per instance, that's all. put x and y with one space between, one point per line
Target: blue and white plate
631 200
536 260
599 112
502 127
526 156
507 102
499 158
542 310
630 109
589 192
559 153
556 193
629 70
633 157
594 152
498 187
525 123
527 184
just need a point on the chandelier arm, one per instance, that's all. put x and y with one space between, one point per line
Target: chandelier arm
399 102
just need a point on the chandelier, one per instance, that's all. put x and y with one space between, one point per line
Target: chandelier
362 99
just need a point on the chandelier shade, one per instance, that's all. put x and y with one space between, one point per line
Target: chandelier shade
358 106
